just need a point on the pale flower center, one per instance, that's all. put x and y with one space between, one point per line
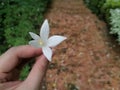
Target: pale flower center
41 43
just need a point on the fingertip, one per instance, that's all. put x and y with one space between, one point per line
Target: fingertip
53 49
38 71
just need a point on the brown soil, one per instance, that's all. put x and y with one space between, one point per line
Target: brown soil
89 59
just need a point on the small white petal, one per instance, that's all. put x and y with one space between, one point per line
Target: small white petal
34 43
33 35
55 40
44 32
47 52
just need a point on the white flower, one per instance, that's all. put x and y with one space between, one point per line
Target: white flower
44 42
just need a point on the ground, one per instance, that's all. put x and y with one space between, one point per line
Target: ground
89 59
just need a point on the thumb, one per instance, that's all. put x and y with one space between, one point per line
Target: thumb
37 73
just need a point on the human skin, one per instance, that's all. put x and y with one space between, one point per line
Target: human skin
10 64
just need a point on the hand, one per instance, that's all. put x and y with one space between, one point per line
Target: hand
9 63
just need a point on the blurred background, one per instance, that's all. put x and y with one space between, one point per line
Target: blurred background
89 59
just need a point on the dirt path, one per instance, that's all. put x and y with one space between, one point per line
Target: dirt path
88 59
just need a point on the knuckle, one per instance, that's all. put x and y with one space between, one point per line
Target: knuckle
13 48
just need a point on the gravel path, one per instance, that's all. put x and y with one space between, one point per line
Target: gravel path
89 59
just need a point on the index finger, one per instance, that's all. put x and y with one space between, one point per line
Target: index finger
11 58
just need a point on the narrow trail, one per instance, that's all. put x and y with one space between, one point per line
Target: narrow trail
89 59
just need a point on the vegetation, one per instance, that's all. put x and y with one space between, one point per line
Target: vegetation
110 11
17 18
95 5
115 22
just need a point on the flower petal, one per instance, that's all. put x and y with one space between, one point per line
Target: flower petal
47 52
55 40
44 33
33 35
34 43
